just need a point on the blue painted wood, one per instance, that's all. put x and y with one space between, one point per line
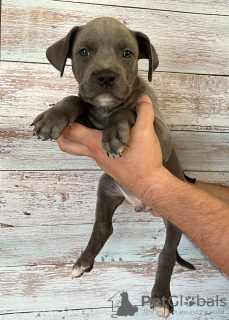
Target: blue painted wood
52 212
189 43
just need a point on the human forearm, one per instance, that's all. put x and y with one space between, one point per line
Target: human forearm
216 190
195 212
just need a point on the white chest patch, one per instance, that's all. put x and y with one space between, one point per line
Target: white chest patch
105 100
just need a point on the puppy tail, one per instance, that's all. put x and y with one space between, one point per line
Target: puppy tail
184 263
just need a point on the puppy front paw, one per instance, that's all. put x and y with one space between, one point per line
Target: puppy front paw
50 124
115 138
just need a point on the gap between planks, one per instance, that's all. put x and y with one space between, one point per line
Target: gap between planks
140 69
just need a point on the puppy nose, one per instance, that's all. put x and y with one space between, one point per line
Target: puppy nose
106 78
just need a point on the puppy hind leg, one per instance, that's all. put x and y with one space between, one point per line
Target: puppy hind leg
108 199
161 300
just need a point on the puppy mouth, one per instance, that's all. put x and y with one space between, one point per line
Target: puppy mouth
109 97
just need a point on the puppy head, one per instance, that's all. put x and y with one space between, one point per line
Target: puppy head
104 56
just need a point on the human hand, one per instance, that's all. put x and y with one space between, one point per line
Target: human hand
139 162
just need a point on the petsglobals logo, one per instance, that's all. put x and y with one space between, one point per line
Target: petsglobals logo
122 305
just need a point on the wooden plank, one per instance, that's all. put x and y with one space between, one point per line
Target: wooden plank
25 94
197 151
189 43
21 152
193 102
181 313
219 7
187 101
61 244
61 198
48 198
39 288
201 151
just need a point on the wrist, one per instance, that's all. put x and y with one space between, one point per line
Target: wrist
152 188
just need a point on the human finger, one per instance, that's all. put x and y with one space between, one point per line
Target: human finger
145 113
72 147
80 140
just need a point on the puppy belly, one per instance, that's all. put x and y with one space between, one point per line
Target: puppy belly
130 198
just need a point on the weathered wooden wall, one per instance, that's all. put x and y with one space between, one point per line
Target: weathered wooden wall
48 198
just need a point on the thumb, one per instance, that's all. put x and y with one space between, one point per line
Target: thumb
145 112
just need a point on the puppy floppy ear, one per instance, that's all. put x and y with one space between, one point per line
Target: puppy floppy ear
58 53
147 51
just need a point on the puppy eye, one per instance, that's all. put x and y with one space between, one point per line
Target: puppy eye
84 52
127 54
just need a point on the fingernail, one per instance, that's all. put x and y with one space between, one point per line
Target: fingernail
146 99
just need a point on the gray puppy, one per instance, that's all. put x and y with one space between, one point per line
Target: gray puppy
105 56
